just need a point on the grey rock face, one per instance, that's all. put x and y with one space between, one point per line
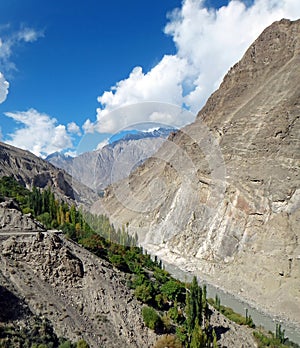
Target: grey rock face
223 199
82 295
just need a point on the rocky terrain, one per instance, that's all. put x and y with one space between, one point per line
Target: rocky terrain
100 168
12 219
82 295
30 170
221 197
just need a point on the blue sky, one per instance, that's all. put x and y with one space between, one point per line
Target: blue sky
70 63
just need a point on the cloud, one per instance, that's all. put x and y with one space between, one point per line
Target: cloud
88 126
7 46
102 144
160 84
29 34
3 88
140 116
72 127
39 133
213 40
70 153
208 41
8 42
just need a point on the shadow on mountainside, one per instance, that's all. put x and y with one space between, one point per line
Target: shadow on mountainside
11 306
220 330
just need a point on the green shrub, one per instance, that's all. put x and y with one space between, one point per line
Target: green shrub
82 344
151 318
118 261
65 344
169 341
144 292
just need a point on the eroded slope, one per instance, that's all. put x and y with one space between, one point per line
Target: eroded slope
222 196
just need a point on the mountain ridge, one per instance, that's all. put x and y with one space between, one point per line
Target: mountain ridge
100 168
221 196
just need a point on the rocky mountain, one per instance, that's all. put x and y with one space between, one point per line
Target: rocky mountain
221 197
83 296
115 161
60 160
30 170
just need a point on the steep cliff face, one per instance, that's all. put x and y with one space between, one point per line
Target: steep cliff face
222 196
31 170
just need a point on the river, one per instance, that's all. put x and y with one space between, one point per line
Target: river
259 318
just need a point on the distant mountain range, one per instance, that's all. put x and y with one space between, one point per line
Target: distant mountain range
115 161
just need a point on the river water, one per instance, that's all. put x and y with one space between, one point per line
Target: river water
259 318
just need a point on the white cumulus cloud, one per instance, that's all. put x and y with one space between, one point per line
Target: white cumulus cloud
73 128
208 43
39 133
3 88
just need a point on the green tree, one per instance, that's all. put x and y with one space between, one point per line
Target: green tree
194 309
73 214
172 289
217 302
65 344
199 338
215 340
279 333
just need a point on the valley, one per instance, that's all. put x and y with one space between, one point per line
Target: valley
218 199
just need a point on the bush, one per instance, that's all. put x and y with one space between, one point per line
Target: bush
27 210
65 344
167 324
82 344
168 341
175 314
151 318
45 219
119 262
144 292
